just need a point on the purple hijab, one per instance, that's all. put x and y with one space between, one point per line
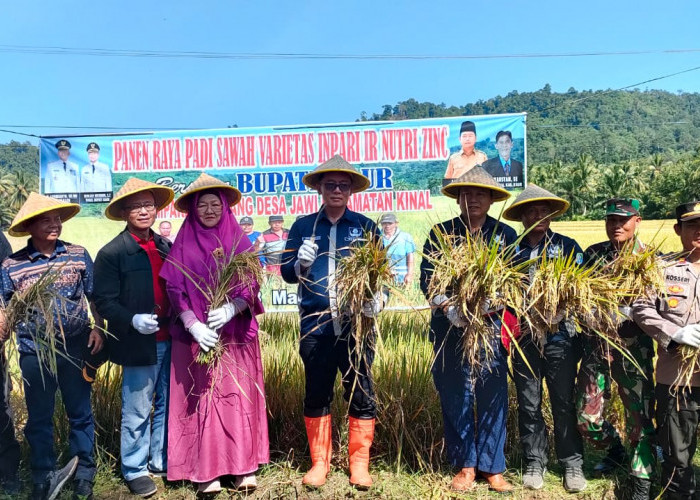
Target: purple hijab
193 251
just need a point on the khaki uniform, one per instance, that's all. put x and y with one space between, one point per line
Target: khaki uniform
460 163
661 317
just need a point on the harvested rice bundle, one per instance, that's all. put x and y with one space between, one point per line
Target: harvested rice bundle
241 270
361 279
476 276
639 271
41 307
560 288
236 271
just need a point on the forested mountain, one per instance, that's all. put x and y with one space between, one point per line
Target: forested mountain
609 126
585 146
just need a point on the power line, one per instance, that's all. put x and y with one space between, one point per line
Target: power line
102 52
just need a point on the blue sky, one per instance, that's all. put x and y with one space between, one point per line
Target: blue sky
137 92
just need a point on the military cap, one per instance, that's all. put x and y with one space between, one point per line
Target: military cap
93 146
625 207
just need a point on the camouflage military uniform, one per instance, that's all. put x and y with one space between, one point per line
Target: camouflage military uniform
601 363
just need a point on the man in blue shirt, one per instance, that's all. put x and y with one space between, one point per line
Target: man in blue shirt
246 224
400 249
327 344
42 217
554 362
474 400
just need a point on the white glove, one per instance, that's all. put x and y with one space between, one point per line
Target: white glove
222 315
307 253
145 324
455 317
688 335
205 337
370 308
439 300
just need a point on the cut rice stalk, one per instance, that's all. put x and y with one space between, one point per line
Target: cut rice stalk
476 276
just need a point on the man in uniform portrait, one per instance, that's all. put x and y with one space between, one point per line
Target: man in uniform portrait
62 175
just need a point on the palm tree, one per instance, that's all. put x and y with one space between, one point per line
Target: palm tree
23 185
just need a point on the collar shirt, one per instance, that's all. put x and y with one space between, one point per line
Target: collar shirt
160 297
492 229
74 285
317 293
662 316
95 178
61 177
272 245
461 162
552 245
400 246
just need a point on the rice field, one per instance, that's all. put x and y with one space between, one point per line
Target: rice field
408 458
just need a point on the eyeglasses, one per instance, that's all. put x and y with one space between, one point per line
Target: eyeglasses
214 207
136 207
332 186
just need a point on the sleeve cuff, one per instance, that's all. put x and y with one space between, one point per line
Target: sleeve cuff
188 318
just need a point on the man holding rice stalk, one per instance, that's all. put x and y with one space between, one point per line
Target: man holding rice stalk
673 320
552 355
476 382
328 343
131 296
52 278
599 363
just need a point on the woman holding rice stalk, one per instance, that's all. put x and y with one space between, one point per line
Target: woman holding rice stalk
554 358
327 343
471 445
673 320
217 424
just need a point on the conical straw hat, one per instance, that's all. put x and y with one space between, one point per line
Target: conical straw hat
476 177
531 194
336 164
161 194
38 204
202 183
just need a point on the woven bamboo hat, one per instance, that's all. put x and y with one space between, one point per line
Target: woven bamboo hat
161 194
336 164
38 204
476 177
531 194
202 183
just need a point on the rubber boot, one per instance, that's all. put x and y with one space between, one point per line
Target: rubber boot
361 435
318 431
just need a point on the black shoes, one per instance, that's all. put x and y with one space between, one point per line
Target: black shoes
82 489
142 486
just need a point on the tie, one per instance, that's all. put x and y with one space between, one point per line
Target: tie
506 167
64 166
93 168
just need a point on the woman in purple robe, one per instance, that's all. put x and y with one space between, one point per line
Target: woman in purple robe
217 423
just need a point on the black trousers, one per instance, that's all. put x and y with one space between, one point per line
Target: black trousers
9 447
323 357
677 418
557 365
